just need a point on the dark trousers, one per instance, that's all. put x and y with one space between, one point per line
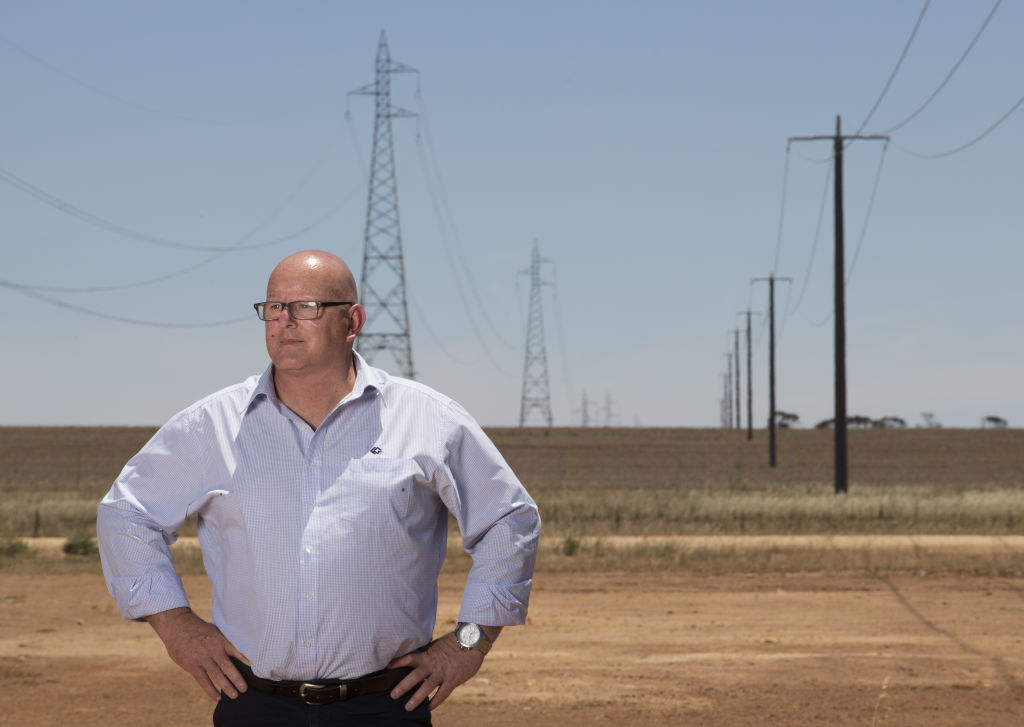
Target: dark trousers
259 709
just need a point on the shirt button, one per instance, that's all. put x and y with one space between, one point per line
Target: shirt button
309 548
309 596
307 644
312 463
311 506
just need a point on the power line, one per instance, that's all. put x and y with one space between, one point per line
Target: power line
423 321
785 318
35 295
764 323
867 215
566 371
37 292
814 247
105 224
432 172
96 89
466 306
860 241
188 269
354 138
946 80
969 144
782 210
892 75
122 286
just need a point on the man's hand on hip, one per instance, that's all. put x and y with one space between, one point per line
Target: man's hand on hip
201 649
442 666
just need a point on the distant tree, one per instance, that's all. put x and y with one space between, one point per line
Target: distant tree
857 421
785 419
993 422
929 420
889 423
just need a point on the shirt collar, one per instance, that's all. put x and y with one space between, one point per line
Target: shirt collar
264 389
368 379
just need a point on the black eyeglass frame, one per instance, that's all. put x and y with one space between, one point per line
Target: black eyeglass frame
258 307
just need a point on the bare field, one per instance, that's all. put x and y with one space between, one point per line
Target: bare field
88 458
597 482
724 459
643 649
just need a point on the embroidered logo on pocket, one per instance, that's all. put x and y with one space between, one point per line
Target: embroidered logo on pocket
376 450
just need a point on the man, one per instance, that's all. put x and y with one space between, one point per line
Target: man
322 489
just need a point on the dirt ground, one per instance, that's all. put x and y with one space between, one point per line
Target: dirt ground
642 649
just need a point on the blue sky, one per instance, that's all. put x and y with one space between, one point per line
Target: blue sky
643 145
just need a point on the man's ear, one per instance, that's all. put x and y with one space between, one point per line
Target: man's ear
356 320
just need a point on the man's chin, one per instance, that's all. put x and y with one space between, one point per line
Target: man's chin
286 364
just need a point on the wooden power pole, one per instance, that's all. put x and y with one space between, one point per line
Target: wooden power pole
736 358
772 460
750 398
841 465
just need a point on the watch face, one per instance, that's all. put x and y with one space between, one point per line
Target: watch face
468 634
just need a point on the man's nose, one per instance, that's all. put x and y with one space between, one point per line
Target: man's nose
287 311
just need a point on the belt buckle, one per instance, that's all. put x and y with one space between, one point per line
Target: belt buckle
320 694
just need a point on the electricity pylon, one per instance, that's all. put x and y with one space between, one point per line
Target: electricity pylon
383 277
536 394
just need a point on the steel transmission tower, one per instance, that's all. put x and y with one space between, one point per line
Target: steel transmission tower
536 394
382 283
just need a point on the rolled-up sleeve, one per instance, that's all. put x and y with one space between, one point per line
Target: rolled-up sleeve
500 526
139 517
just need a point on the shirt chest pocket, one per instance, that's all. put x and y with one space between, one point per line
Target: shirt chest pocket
375 490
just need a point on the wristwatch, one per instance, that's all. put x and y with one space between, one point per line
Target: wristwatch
471 636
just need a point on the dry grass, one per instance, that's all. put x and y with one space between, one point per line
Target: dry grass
592 482
780 510
709 558
595 483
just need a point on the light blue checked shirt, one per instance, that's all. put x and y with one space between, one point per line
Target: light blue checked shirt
323 547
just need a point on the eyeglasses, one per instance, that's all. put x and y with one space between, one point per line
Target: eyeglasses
299 310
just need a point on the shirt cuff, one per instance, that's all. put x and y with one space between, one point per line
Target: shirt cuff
490 604
147 594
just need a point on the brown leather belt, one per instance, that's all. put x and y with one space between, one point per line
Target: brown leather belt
327 691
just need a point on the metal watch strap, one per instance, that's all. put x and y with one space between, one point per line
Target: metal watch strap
483 644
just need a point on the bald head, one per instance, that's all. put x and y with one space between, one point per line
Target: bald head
314 353
321 271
